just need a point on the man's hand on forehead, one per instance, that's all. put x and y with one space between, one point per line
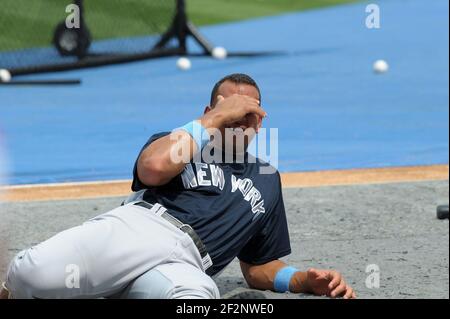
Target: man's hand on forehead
249 121
237 107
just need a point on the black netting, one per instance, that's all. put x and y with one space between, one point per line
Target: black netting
116 28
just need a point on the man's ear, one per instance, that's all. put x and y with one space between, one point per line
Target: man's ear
207 109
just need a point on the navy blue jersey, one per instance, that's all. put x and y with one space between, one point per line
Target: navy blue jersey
234 209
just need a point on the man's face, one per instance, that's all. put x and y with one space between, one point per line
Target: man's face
249 124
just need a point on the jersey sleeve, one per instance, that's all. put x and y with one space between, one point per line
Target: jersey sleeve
272 241
137 185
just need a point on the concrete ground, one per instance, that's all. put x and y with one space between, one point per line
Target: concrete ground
348 228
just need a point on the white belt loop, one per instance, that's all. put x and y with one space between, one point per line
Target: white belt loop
207 262
155 209
161 210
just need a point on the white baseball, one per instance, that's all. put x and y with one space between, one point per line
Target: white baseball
380 66
220 53
184 64
5 76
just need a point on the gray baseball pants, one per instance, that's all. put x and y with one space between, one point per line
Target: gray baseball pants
125 253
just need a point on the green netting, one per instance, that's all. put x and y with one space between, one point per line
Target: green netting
116 26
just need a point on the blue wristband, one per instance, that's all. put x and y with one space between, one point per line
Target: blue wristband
283 279
198 133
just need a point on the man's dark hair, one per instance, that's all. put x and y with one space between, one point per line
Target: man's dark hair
236 78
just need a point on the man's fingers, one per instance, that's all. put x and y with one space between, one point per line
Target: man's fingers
219 99
246 98
242 105
339 290
349 293
249 101
256 109
336 279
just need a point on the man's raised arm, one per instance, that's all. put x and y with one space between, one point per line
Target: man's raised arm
166 158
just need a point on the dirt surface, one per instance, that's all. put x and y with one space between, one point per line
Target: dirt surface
393 226
290 180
